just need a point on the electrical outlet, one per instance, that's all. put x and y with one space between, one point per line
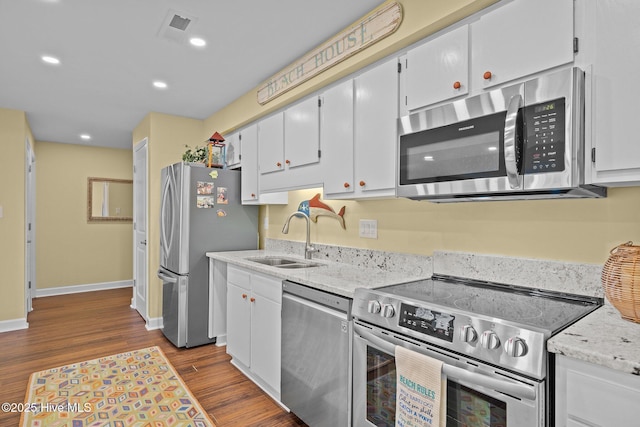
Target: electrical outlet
265 224
1 212
369 228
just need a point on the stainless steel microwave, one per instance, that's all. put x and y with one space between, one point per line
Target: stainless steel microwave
524 141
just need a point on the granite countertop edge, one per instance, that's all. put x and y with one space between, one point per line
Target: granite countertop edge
602 337
335 277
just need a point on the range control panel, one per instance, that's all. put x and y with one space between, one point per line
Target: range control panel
429 322
544 137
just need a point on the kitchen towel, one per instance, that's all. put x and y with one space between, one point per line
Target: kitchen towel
420 391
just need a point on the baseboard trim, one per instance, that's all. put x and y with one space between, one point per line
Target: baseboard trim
154 323
64 290
13 325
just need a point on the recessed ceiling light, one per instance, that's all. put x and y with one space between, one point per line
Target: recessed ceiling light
50 59
160 85
197 42
85 136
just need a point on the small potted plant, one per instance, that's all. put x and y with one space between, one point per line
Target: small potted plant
197 155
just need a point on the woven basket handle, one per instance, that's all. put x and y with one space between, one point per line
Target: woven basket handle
614 250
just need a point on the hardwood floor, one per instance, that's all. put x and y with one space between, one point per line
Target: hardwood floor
73 328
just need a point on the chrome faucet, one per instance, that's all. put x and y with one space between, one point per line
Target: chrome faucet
308 249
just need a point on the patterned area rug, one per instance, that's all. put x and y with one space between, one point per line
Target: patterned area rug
134 389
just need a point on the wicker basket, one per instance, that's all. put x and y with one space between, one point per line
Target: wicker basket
621 280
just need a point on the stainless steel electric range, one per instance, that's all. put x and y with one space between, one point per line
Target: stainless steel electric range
491 337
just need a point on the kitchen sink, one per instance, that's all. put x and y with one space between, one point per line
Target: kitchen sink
279 262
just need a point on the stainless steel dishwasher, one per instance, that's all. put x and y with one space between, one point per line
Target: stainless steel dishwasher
316 355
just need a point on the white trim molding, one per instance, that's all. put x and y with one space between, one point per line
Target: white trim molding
13 325
64 290
154 323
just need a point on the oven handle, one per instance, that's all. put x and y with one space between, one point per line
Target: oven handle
517 390
510 140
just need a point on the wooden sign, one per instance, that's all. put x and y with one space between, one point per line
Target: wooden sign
374 27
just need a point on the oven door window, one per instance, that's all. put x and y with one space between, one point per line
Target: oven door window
470 408
464 150
465 407
381 388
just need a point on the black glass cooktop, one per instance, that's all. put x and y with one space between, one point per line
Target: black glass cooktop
547 310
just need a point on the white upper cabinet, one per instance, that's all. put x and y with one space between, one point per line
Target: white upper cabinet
271 143
520 38
438 70
336 130
233 150
302 133
289 148
375 117
611 45
250 176
249 172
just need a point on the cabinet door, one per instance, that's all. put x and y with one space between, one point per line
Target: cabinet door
521 38
438 70
233 149
302 133
265 340
615 97
271 143
337 139
375 116
238 324
249 173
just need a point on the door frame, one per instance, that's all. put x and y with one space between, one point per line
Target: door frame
142 144
29 225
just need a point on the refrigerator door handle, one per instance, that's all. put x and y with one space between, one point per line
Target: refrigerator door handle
166 278
167 241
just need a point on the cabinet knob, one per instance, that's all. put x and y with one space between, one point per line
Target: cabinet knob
252 299
244 296
347 185
457 85
253 195
288 161
487 75
278 164
362 183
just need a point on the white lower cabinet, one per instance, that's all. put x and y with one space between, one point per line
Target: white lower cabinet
254 303
589 395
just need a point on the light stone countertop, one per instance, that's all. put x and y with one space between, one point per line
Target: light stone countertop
602 338
335 277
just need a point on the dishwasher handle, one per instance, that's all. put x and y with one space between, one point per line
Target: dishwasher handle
519 390
314 305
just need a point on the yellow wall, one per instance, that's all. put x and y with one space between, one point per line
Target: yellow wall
69 250
14 129
167 138
568 230
420 19
572 230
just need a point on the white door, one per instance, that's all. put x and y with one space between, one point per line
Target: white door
140 251
30 226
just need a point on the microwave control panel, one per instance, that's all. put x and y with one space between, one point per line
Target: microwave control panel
545 137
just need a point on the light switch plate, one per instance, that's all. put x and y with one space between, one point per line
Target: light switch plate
369 228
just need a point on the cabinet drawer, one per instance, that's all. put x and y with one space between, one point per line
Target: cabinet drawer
268 287
238 276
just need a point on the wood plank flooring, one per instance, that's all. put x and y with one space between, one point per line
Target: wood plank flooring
73 328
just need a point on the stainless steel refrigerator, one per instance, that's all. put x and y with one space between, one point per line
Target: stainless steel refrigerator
200 212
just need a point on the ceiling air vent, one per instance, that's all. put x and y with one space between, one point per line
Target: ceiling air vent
179 23
177 26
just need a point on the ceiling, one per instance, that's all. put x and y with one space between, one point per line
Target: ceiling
111 51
